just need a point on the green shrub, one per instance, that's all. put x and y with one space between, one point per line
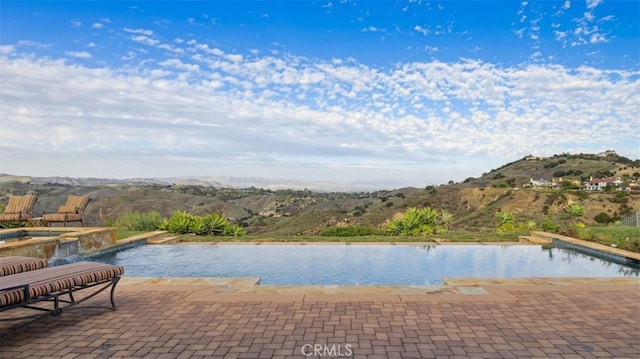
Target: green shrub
350 231
137 221
550 226
505 221
233 230
603 218
420 222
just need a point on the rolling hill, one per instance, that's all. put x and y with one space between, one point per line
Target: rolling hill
263 211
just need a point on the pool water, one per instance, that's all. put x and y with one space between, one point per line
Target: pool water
361 264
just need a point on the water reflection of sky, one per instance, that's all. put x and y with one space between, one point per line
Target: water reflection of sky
361 264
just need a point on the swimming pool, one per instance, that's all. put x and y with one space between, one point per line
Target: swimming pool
361 264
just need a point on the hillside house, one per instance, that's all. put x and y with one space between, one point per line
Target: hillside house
600 184
634 185
559 182
540 183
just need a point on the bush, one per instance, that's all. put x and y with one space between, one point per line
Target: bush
420 222
137 221
603 218
550 226
350 231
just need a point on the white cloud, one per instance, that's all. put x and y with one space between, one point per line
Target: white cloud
592 4
145 40
79 54
204 106
422 30
139 31
6 49
76 23
372 29
431 49
97 25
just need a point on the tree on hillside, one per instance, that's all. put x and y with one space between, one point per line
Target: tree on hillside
574 210
505 221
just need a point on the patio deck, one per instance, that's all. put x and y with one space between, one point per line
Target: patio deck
200 319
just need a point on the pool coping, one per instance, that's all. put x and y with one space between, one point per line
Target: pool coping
240 288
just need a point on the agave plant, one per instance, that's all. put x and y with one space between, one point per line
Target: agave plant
233 230
214 224
446 219
428 216
504 221
197 226
180 222
420 222
394 227
575 210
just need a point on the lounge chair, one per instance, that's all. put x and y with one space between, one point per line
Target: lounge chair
23 290
15 264
72 211
19 209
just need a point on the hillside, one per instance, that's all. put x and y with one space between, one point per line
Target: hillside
293 212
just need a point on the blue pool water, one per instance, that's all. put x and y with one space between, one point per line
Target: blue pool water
360 264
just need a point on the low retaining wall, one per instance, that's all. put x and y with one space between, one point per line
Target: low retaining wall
62 242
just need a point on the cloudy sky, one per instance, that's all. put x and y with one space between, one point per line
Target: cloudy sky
388 93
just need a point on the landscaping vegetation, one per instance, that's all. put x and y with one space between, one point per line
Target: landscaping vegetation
627 238
180 222
447 237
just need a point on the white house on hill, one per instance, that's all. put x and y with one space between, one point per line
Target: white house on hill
599 184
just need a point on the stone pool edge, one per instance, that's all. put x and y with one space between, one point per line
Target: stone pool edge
248 289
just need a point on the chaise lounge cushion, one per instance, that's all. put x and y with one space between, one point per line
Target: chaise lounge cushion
71 211
75 204
20 204
19 208
67 209
62 217
54 279
15 264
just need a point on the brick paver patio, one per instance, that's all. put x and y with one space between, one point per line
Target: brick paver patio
511 321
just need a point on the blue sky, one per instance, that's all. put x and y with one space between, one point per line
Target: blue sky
385 93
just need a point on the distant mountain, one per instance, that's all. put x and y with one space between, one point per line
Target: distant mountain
206 181
569 166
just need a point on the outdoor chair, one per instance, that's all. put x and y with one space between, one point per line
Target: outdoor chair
19 209
71 211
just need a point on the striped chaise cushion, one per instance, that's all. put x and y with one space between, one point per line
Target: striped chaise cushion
14 264
54 279
14 217
75 204
62 217
18 209
20 204
71 211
